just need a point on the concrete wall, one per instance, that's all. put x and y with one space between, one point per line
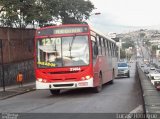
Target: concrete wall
151 96
11 70
18 52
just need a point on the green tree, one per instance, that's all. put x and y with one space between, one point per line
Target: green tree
17 13
142 34
20 13
46 12
147 43
122 54
128 44
154 48
127 39
74 11
9 16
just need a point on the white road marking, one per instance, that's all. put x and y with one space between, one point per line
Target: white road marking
138 109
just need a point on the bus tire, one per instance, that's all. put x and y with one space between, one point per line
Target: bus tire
98 88
55 92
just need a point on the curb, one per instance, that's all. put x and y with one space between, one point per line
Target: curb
18 93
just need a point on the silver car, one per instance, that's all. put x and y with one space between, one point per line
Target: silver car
123 69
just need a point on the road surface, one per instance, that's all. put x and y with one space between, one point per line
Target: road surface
123 96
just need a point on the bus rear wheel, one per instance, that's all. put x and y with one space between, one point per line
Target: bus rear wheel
55 92
98 88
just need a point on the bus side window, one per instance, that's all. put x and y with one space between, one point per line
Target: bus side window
97 40
99 45
104 42
114 50
108 44
106 47
94 49
111 49
103 47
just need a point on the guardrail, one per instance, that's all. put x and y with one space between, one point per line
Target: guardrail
150 95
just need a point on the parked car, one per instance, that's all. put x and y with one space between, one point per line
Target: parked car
148 65
142 65
146 71
123 69
152 68
158 69
157 85
154 77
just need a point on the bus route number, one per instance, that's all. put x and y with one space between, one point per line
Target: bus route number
75 69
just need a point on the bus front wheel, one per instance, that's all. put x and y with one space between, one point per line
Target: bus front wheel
98 88
55 92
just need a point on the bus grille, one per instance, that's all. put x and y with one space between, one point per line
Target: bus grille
63 85
62 72
67 79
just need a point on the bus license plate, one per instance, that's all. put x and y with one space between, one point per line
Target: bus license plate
83 83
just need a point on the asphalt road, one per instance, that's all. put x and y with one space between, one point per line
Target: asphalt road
123 96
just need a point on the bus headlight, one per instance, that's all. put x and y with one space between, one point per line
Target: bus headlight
88 77
82 78
40 79
44 80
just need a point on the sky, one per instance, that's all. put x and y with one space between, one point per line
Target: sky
125 15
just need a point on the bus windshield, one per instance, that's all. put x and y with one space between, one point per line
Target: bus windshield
62 51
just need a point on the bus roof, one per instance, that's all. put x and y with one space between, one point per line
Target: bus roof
72 25
101 34
62 25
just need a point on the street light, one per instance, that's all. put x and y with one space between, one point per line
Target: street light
3 82
97 13
88 21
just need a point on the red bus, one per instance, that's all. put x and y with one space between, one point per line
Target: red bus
73 56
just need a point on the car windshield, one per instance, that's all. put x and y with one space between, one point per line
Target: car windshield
122 65
62 51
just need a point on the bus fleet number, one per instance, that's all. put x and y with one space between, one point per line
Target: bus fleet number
75 69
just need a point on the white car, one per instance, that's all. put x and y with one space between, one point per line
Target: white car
154 76
152 68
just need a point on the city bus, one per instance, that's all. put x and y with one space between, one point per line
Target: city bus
73 56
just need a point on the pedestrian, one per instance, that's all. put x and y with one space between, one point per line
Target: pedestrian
20 79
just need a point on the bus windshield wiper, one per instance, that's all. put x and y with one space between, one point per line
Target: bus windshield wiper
70 46
55 48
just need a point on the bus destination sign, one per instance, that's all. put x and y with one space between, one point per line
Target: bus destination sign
62 30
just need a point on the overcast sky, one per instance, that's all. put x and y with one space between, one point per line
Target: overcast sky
125 15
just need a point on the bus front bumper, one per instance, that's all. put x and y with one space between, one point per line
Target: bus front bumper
65 85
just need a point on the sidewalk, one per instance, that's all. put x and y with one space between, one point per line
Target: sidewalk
11 91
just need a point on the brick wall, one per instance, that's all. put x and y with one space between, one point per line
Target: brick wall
18 44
